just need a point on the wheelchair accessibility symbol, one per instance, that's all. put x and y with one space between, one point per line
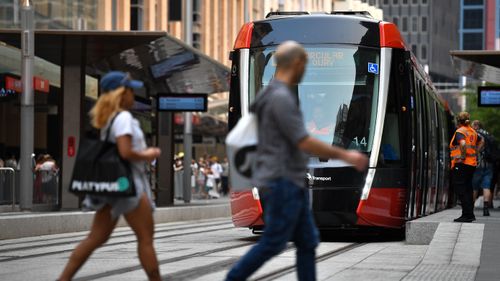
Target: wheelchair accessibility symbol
373 68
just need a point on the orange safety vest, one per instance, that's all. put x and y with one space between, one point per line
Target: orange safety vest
470 147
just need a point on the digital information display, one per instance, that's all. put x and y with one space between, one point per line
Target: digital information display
488 96
183 102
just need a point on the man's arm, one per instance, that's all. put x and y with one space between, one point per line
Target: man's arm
480 143
316 147
463 149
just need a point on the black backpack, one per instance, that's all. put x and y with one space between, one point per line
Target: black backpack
491 151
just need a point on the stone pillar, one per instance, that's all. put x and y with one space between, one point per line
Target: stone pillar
72 77
164 167
105 15
150 17
123 15
162 15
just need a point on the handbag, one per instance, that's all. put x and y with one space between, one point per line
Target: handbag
241 144
99 169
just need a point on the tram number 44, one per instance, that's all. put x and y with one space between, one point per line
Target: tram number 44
359 142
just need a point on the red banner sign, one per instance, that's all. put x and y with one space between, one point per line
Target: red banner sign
39 84
13 84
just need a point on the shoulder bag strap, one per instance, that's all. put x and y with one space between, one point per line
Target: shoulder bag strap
111 125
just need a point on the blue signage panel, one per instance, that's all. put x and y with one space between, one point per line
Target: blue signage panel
488 96
373 68
183 102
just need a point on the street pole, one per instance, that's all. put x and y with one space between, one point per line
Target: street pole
188 128
27 105
246 16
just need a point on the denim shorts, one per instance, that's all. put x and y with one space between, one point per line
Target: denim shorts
482 178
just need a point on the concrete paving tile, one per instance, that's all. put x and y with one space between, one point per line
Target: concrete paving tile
367 274
404 267
392 260
273 265
238 252
216 276
328 268
351 257
324 270
436 272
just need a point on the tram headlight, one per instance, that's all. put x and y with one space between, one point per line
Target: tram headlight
255 193
368 184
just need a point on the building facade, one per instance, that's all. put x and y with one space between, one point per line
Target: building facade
427 32
479 24
360 5
299 5
323 6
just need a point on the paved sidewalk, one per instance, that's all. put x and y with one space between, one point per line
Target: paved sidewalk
490 251
453 254
456 252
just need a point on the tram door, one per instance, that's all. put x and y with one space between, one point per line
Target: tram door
432 157
415 149
411 140
420 148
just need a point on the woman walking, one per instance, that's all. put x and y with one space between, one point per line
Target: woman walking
112 108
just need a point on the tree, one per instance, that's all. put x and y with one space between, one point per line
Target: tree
489 116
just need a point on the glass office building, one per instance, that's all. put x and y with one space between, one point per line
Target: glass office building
53 14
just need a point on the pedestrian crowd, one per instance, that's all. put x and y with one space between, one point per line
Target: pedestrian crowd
45 176
209 177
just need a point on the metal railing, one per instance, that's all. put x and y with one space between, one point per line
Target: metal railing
45 189
6 181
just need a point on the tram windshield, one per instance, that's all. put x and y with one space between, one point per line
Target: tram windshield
338 94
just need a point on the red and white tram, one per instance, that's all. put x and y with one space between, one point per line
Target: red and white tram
362 90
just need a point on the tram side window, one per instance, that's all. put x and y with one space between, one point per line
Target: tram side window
390 139
390 149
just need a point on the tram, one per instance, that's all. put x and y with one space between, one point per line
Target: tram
362 89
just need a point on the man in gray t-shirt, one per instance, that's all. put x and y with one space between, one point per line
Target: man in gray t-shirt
280 169
283 128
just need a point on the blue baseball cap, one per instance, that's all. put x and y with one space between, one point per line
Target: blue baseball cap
115 79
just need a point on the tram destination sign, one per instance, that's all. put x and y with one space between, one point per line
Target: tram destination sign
183 102
488 96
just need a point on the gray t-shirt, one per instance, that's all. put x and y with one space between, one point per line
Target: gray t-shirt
281 128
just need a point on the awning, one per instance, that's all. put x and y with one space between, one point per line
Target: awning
481 65
165 63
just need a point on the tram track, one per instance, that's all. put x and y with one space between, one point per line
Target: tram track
169 260
117 233
131 240
196 272
217 267
289 269
193 273
200 271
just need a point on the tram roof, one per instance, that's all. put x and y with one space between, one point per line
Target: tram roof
356 28
479 64
316 28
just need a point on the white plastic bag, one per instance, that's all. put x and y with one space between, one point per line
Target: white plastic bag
479 202
241 145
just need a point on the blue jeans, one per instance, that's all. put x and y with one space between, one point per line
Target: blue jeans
287 217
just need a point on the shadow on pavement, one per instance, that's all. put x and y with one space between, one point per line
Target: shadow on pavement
362 236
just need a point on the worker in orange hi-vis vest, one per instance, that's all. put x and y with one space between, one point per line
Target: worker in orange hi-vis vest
463 151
